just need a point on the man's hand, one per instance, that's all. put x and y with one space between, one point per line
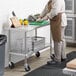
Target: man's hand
45 18
39 19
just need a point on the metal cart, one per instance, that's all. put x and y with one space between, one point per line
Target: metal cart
24 41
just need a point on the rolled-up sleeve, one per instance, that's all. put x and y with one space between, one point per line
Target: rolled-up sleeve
45 11
56 7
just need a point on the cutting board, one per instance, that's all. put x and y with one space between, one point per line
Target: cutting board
71 64
39 23
15 21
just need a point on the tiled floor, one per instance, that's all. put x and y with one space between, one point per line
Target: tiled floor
34 63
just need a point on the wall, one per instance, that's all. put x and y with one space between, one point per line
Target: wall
22 8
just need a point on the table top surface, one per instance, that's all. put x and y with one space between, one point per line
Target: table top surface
24 28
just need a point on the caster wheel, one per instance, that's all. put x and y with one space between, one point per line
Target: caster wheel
27 68
11 65
37 54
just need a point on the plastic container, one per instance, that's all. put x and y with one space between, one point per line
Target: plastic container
3 40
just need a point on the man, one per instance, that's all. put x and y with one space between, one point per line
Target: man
55 12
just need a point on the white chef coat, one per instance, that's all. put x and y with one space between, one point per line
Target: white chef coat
58 6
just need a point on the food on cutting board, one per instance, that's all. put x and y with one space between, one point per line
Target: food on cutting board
25 22
21 21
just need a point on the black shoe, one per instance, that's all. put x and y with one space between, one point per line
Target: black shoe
62 60
53 58
53 62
